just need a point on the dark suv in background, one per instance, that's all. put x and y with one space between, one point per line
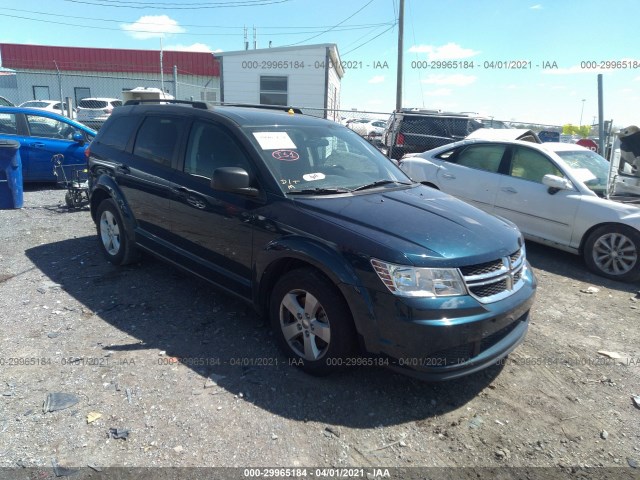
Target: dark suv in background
416 131
315 228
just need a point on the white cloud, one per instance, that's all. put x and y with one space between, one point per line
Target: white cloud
450 51
456 79
152 26
377 79
536 7
194 47
440 92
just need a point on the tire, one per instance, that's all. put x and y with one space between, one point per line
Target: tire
319 339
613 251
112 235
68 199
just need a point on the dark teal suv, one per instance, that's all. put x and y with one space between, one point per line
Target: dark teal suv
352 262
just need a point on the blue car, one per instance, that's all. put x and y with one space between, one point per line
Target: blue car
41 135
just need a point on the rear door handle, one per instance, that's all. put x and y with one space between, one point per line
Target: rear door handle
509 190
449 176
181 189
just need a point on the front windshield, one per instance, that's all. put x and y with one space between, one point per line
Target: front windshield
589 167
322 159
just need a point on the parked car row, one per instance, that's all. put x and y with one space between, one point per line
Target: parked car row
415 131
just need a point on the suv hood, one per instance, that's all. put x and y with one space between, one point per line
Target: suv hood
418 225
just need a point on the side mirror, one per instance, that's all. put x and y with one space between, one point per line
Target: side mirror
78 138
556 183
234 180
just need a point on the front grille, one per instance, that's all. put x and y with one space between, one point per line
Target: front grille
482 268
489 289
492 281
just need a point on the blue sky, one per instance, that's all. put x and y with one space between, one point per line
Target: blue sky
567 34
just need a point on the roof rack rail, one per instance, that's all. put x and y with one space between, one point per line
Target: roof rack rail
201 105
262 106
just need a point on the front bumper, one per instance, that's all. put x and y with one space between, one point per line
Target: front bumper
446 338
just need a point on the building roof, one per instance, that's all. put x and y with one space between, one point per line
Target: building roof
42 57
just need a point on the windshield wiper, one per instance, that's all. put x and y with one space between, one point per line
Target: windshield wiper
379 183
319 191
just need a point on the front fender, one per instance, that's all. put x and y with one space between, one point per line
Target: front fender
290 252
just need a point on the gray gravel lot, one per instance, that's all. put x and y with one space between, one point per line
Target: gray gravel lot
191 377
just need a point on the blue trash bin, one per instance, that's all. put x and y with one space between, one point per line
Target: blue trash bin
11 194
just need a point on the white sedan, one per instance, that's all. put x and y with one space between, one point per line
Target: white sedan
554 192
369 129
49 105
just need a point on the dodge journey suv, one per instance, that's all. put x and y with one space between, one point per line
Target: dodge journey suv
352 262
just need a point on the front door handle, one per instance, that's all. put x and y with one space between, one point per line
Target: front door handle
123 168
449 176
509 190
37 145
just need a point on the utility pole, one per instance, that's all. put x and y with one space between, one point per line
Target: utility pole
400 49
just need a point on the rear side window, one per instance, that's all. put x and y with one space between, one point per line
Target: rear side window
482 157
8 123
116 134
92 104
157 139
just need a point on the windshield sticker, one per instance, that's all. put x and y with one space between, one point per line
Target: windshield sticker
310 177
274 140
286 155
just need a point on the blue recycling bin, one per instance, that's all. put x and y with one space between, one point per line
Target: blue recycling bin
11 194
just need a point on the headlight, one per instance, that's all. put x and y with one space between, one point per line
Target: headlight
408 281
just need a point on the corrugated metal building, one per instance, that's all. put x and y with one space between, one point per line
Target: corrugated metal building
304 76
50 72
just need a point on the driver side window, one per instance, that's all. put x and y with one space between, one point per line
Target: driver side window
531 165
211 147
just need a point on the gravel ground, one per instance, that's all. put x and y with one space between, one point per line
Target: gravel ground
186 376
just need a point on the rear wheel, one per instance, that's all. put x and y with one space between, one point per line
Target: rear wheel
114 243
311 321
613 251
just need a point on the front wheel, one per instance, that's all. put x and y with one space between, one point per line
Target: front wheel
311 321
614 252
114 243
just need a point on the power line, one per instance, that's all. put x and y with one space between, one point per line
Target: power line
360 27
336 25
279 27
364 43
156 5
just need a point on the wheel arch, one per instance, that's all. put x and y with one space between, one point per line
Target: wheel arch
106 188
593 228
296 253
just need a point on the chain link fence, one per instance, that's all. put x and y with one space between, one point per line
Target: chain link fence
69 87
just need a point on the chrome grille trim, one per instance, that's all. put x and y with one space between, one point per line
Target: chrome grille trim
503 279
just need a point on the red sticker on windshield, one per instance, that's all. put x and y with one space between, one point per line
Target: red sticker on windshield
286 155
